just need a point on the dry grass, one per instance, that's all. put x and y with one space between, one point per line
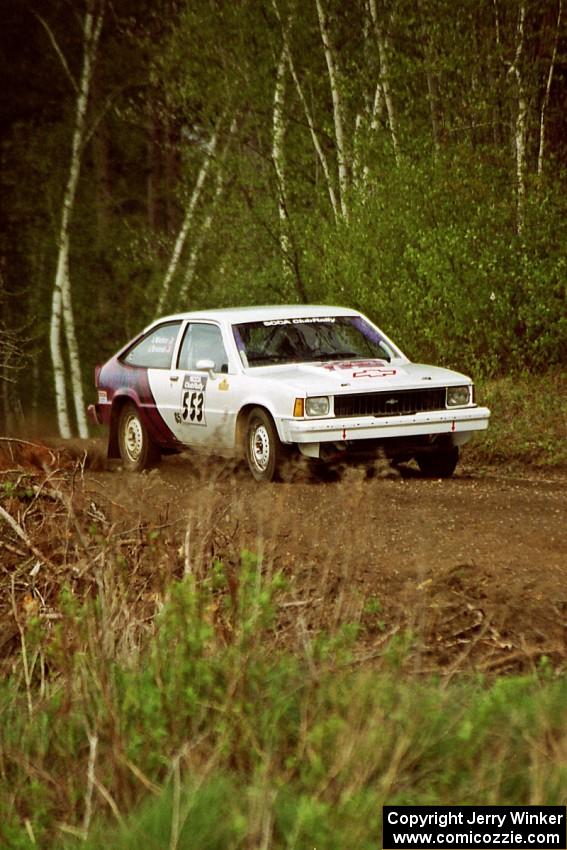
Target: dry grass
154 670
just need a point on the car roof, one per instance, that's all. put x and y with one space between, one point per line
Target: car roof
236 315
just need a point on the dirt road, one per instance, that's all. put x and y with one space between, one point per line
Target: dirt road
475 566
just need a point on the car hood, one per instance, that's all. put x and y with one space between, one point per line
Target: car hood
350 376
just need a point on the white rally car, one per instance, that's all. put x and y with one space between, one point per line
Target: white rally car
264 381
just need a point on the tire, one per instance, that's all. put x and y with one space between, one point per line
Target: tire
137 450
440 463
264 451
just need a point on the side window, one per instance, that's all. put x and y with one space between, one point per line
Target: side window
202 342
155 350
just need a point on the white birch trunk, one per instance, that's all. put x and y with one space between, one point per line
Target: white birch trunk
196 250
186 224
314 137
278 130
337 110
520 128
74 360
357 173
308 116
61 301
546 95
205 227
520 141
385 80
58 362
378 105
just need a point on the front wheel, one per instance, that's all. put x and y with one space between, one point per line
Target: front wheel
440 463
136 447
264 450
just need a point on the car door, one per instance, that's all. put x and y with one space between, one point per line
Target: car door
145 370
198 403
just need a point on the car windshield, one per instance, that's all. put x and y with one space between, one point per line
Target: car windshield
300 340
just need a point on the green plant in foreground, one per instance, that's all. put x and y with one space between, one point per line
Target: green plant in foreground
21 489
295 746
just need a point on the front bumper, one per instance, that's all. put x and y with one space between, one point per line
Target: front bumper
461 421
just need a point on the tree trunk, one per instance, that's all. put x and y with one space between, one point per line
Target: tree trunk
74 360
520 125
57 358
431 80
309 117
61 301
337 110
545 100
205 226
186 224
278 130
385 79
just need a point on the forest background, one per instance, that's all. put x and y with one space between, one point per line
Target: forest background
404 158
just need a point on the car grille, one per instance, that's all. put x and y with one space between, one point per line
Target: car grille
397 403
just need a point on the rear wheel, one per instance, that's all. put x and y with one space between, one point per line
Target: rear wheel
136 447
440 463
264 451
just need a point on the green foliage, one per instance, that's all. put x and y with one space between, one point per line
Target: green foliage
431 255
209 814
215 715
430 247
527 426
21 489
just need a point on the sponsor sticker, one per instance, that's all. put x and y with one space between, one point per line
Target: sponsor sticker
328 320
192 400
195 382
161 345
361 368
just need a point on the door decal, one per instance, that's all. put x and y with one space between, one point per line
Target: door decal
192 400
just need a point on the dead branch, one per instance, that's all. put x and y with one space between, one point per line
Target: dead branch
24 537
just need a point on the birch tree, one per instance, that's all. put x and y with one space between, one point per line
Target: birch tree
385 79
278 130
186 223
520 125
308 116
62 319
338 119
545 100
431 78
206 224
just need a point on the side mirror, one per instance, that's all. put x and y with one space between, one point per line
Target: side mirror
206 366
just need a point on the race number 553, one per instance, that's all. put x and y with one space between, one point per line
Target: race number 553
192 410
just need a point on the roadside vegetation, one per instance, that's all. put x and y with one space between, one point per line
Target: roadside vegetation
200 730
528 426
156 694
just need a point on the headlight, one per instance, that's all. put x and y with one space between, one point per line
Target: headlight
318 406
458 396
